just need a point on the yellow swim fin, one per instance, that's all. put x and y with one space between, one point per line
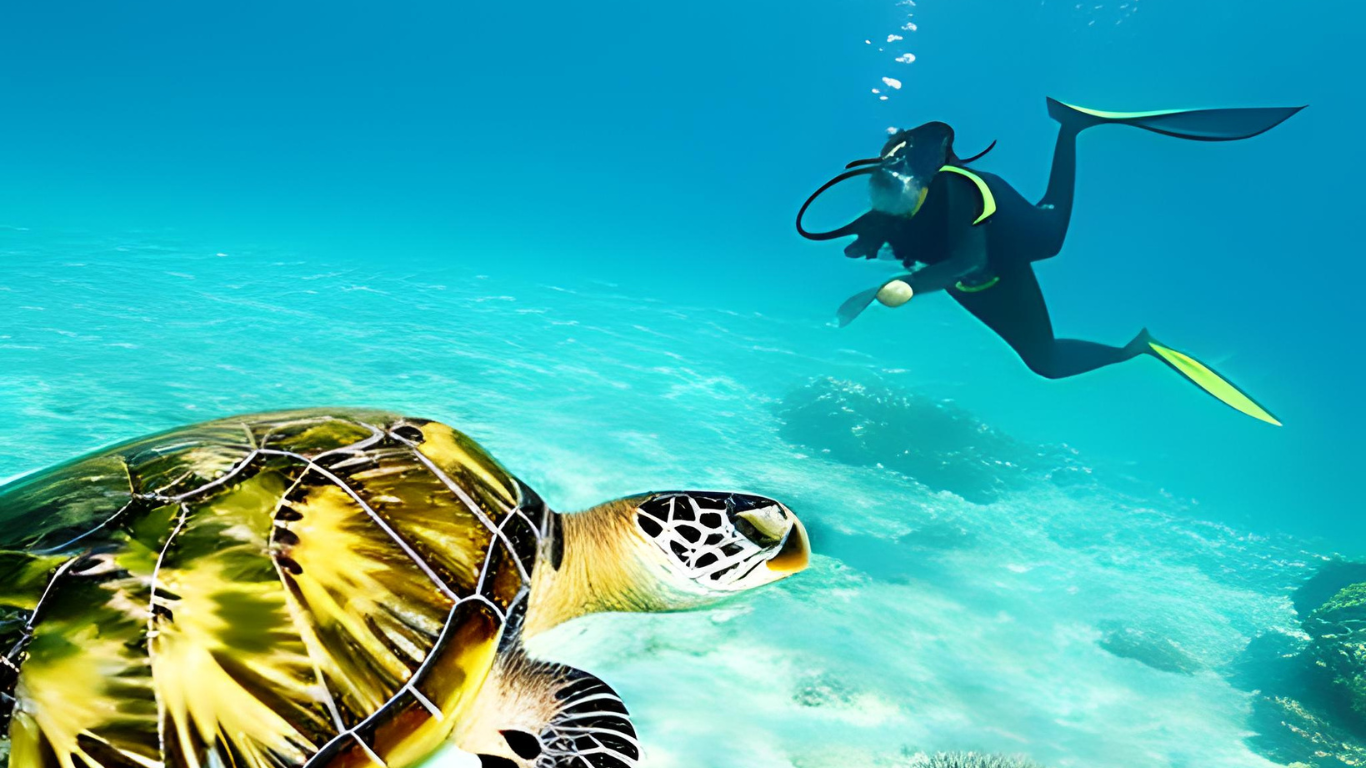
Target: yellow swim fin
1197 124
1207 379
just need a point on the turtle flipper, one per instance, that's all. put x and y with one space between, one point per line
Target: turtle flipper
534 713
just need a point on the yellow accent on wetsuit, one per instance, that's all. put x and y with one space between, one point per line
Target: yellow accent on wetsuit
975 288
988 201
924 192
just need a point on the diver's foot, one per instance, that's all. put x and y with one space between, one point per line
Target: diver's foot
1141 344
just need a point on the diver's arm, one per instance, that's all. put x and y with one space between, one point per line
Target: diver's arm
967 258
967 244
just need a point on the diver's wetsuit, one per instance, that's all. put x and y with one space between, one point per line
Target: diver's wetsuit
1018 233
978 238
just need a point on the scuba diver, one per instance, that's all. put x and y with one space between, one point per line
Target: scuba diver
973 235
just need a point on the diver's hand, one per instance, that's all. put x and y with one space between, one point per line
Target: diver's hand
894 293
863 247
873 229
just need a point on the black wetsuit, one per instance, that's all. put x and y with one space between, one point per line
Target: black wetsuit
1018 233
977 238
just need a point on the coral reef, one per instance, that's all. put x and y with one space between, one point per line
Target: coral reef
1149 649
935 442
977 760
1310 708
1338 646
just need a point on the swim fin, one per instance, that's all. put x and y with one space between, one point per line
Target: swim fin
1197 124
1205 378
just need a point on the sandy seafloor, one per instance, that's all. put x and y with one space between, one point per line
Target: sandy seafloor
927 622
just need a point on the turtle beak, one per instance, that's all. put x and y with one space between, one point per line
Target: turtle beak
771 522
795 553
776 523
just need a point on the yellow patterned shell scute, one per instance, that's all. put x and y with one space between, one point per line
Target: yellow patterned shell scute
306 588
459 456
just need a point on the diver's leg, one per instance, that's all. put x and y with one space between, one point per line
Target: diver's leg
1072 356
1062 179
1014 308
1047 224
1055 209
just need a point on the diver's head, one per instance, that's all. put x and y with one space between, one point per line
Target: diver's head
900 176
909 160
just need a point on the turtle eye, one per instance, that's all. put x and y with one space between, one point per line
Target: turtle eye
652 526
522 743
409 432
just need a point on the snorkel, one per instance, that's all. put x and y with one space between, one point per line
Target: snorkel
901 174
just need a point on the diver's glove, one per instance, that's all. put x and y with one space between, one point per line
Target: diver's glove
872 233
862 248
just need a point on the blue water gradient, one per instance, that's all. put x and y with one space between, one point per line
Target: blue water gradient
566 228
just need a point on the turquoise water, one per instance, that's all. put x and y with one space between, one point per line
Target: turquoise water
567 231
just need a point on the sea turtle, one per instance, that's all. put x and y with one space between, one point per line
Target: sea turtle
334 588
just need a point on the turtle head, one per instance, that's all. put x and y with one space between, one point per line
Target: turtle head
666 551
715 544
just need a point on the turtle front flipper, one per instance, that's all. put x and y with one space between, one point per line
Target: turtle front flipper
535 714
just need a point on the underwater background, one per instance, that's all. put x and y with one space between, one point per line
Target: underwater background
567 230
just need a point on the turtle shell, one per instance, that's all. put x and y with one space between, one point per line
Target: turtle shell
307 588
